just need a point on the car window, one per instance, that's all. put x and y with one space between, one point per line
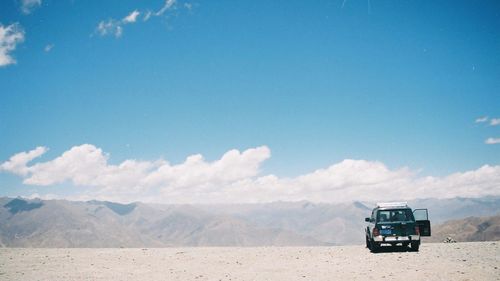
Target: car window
395 215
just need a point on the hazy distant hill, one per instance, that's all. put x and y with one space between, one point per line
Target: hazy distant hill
65 224
441 210
344 223
470 229
331 223
60 223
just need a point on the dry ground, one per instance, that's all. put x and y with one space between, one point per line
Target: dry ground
460 261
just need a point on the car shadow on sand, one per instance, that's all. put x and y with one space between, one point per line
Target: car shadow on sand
393 249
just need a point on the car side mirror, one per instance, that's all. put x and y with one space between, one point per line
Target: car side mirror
367 219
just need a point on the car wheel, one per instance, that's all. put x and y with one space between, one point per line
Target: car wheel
374 247
415 246
367 242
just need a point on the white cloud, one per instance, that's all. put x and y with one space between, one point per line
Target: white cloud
236 177
28 6
492 121
482 119
109 27
47 196
48 47
147 15
118 31
492 141
17 164
132 17
495 122
10 36
115 27
196 172
168 4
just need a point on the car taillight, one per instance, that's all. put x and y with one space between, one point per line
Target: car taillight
417 230
375 232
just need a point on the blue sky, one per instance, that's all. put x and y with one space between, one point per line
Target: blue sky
398 82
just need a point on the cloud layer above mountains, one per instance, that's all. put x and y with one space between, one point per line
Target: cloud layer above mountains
237 178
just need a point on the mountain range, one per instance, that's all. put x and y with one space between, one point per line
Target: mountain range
61 223
470 229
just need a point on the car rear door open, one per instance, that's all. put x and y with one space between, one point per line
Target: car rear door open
422 221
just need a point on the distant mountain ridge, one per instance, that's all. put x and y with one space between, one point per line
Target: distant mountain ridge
19 205
470 229
61 223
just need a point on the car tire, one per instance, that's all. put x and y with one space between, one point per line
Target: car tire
374 247
367 242
415 246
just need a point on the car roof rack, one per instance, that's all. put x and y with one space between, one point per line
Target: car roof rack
392 205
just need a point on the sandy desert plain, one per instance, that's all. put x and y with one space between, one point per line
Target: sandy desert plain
435 261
